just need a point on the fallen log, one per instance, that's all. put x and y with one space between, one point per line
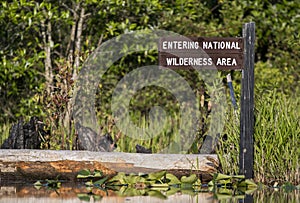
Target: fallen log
31 165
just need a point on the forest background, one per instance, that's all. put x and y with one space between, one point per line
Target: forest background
43 45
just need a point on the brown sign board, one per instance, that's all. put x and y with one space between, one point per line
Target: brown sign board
201 52
197 61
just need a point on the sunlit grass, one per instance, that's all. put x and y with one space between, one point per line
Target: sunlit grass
276 140
276 135
4 132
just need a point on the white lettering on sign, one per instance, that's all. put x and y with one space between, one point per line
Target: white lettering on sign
189 61
220 45
226 62
202 52
180 45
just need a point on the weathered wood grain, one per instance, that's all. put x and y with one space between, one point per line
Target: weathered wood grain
27 165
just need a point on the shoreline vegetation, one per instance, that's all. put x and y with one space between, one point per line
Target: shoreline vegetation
44 45
276 140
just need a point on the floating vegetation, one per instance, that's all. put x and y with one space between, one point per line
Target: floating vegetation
50 184
225 186
162 184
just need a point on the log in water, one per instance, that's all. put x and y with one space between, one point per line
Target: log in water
32 165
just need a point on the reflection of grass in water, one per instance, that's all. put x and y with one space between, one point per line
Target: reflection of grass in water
276 195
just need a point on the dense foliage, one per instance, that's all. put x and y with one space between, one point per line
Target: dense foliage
43 45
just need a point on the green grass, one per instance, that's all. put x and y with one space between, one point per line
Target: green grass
276 134
4 131
276 140
156 142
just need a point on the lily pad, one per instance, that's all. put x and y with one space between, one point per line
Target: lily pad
190 179
84 173
156 175
173 179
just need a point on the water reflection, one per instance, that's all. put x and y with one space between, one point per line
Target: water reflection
71 193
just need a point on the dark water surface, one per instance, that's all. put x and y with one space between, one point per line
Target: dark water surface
80 193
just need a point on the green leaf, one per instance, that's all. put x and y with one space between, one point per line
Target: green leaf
211 183
172 191
190 179
38 183
156 175
250 183
186 186
53 183
225 191
159 186
239 176
198 182
173 179
84 197
84 173
129 191
224 181
97 197
89 183
101 181
156 193
97 174
188 191
119 178
220 176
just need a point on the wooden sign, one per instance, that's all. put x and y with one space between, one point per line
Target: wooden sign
223 54
201 52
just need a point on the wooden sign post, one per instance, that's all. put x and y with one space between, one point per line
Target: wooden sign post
227 53
247 104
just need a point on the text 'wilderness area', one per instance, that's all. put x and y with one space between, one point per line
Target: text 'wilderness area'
201 52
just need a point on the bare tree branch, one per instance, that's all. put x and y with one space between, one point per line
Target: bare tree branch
47 40
70 47
78 43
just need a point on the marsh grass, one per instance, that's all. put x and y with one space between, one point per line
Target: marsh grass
4 132
156 142
228 151
276 140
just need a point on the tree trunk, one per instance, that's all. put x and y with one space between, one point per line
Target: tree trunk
47 40
76 33
78 43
